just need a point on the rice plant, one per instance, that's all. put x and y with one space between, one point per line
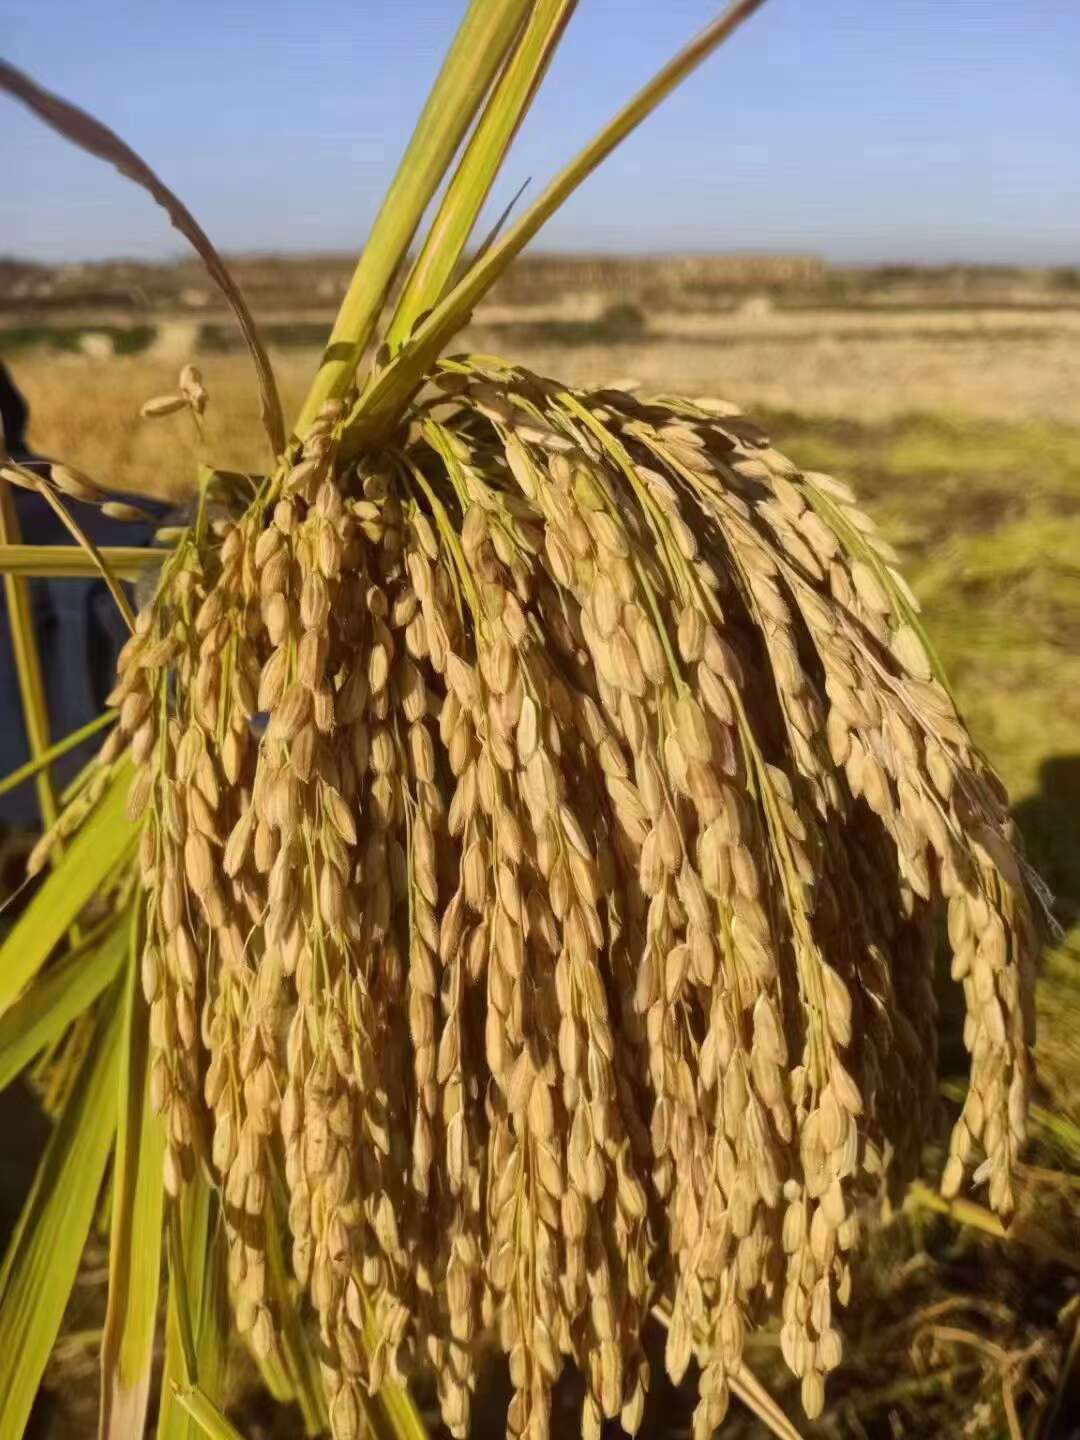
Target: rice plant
507 901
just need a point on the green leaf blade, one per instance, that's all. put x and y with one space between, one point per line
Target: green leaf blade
48 1006
43 1259
127 1345
104 840
206 1415
61 748
197 1312
506 108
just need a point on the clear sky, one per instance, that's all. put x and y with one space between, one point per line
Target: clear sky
861 130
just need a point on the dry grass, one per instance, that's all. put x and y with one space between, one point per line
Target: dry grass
850 365
89 409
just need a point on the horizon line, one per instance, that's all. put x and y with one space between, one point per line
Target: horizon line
560 253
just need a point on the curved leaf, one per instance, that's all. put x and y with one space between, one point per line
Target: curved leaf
91 135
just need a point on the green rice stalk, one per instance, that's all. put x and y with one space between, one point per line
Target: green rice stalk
127 1346
197 1314
383 403
27 661
465 195
47 562
41 1015
482 41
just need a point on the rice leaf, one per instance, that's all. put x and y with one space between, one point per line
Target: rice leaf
63 992
135 1244
506 107
43 1259
275 1377
482 40
376 411
197 1316
91 135
54 752
105 839
206 1415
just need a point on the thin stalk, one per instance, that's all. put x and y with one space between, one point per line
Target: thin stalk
481 43
376 413
507 106
27 661
81 538
70 562
920 1196
745 1384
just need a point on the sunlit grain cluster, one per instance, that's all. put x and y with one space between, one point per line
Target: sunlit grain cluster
549 826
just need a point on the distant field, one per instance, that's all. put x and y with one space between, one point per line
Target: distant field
998 364
784 331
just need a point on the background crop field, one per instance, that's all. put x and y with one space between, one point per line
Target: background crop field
951 401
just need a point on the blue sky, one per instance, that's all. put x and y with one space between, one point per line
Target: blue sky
861 130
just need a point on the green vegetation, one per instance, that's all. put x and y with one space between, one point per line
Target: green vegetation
122 339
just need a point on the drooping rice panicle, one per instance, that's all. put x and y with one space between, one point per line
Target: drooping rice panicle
546 822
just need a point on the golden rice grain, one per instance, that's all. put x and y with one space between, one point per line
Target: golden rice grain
571 925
